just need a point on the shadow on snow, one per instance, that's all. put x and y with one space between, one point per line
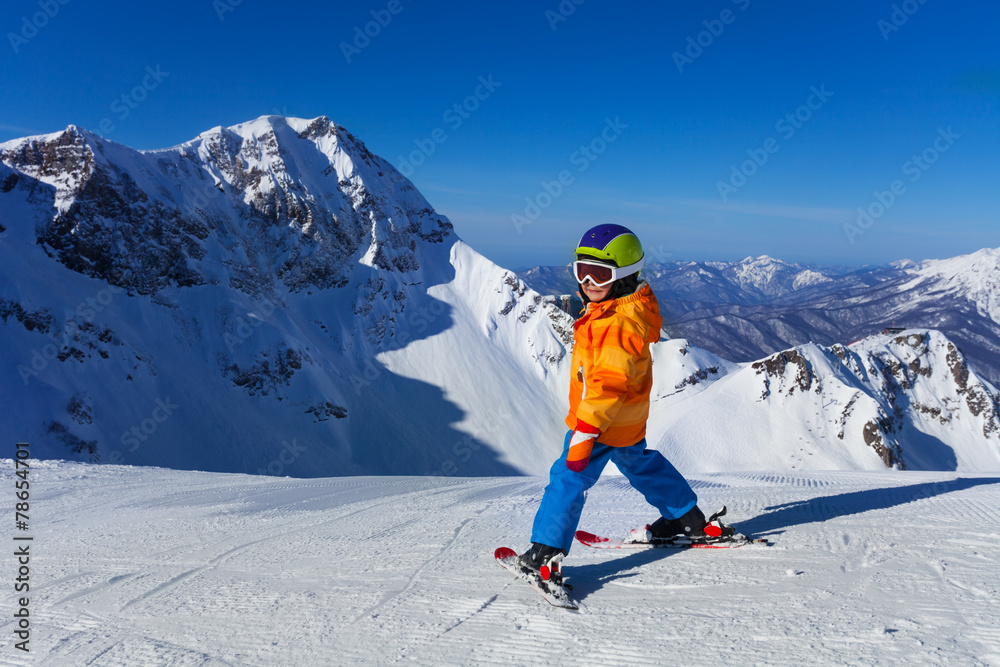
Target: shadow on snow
824 508
587 579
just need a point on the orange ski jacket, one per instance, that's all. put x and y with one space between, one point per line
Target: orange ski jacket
612 372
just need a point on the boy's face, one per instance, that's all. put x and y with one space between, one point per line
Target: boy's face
595 293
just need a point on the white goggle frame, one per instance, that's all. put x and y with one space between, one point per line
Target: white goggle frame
616 272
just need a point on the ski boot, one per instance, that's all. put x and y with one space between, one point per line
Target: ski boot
545 562
692 526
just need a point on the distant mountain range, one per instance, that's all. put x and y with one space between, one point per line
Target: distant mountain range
273 298
749 309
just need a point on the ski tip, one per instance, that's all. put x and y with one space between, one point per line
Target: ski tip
589 538
504 553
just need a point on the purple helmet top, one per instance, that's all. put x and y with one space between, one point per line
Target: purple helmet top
600 236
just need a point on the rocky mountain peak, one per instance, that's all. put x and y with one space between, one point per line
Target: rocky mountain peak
924 372
282 201
64 159
894 392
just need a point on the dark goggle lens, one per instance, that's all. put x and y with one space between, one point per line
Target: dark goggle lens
596 272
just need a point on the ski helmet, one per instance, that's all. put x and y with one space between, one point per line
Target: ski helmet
611 243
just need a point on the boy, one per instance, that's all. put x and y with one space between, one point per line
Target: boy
609 405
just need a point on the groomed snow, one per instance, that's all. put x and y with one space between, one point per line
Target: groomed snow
136 566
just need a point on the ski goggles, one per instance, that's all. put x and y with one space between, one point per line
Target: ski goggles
602 274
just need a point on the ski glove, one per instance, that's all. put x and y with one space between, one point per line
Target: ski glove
580 446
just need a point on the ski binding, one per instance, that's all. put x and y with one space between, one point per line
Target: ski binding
548 582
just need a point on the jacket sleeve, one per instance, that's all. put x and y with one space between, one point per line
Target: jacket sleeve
608 380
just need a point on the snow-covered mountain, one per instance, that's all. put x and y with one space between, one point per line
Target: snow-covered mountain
751 281
273 298
752 308
904 401
227 304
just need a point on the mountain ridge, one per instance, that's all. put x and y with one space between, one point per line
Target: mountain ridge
785 304
273 298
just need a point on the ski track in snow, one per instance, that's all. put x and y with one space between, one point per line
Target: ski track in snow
135 566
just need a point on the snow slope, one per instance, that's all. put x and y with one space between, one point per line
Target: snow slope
150 566
499 362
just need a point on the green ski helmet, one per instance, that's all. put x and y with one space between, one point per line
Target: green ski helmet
611 243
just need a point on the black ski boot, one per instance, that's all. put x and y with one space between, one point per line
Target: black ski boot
692 525
545 561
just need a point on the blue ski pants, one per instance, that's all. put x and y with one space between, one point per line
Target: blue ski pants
646 469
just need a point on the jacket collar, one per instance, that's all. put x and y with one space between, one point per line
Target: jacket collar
600 308
641 293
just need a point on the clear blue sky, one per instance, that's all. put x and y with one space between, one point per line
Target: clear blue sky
893 93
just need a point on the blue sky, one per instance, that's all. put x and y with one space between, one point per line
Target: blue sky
819 108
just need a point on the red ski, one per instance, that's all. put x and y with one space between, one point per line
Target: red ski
550 587
717 536
677 542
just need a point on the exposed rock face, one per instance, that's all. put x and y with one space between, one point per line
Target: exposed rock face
876 436
882 387
790 368
199 305
248 196
926 358
697 377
